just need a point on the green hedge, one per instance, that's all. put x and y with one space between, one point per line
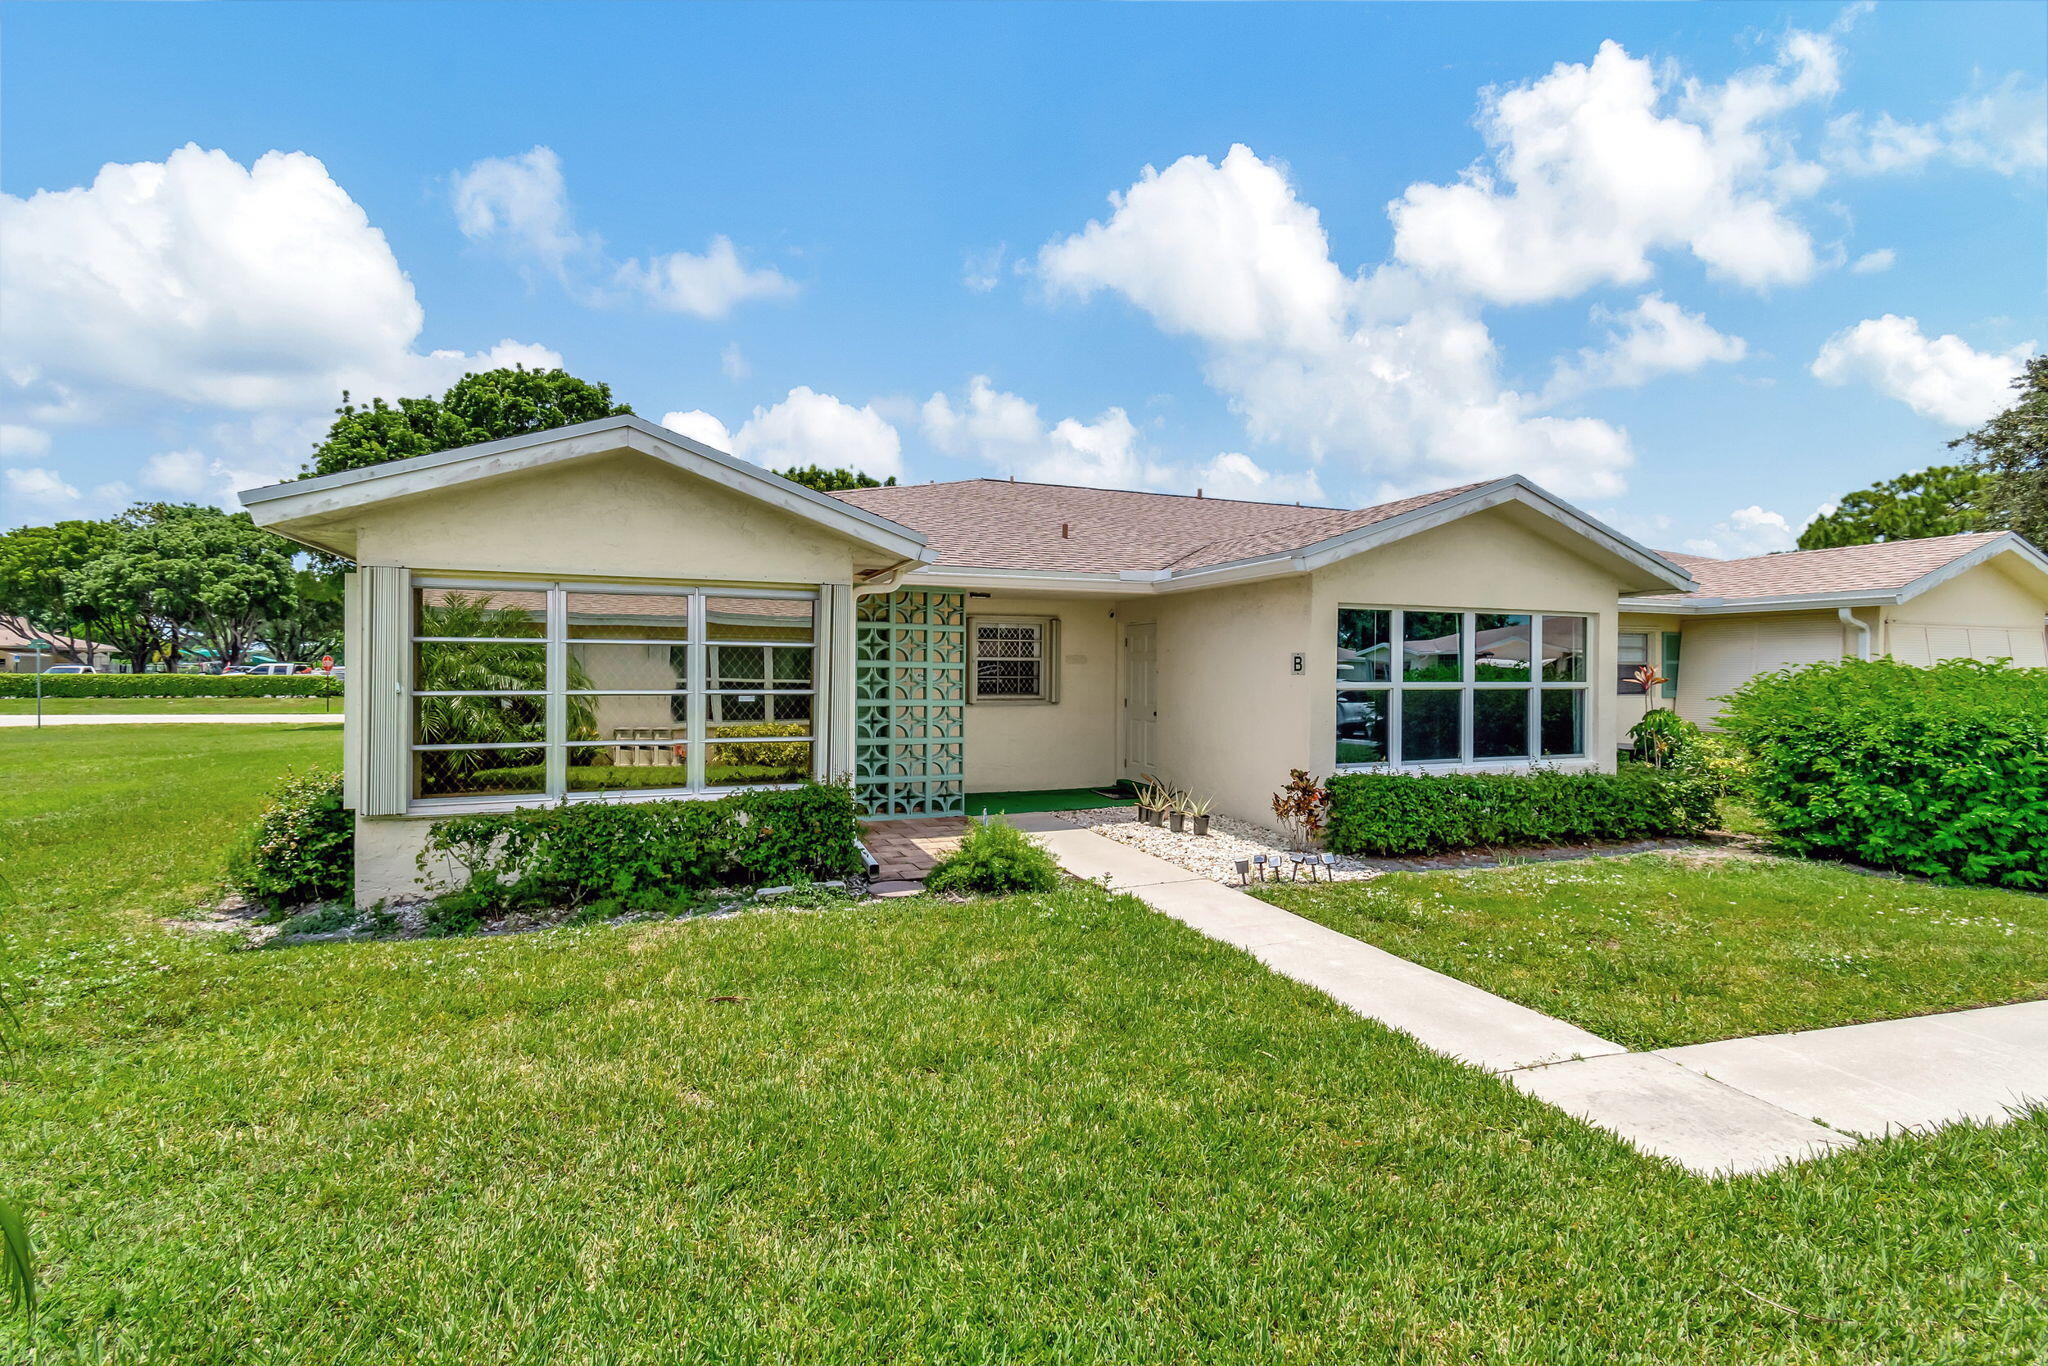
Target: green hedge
1940 771
1395 815
648 853
171 685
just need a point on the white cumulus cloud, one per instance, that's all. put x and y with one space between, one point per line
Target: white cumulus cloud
1654 338
18 442
1595 167
1385 373
806 428
699 425
1874 262
1943 378
2002 129
205 282
1753 530
1005 431
521 203
33 484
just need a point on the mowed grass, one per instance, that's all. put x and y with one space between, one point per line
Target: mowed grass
1658 950
170 706
1043 1129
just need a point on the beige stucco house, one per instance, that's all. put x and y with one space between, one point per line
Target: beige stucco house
1977 596
611 611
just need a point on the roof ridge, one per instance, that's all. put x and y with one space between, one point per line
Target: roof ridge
1782 555
1425 499
1098 488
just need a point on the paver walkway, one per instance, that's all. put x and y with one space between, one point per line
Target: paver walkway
225 718
1737 1106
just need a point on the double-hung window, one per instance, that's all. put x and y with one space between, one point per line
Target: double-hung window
1428 687
534 690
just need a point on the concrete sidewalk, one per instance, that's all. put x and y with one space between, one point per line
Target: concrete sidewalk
226 718
1735 1107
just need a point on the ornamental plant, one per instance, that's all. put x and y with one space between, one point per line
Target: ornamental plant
301 849
1302 806
995 858
1938 771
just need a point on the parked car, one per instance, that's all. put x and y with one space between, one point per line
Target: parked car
71 669
272 670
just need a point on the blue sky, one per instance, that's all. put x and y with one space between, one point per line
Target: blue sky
1700 268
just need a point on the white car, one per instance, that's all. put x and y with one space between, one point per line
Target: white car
273 670
71 669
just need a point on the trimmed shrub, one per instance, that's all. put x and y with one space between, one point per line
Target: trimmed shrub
995 858
1393 815
1940 771
302 848
644 854
172 685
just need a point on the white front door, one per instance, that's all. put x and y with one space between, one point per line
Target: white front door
1141 699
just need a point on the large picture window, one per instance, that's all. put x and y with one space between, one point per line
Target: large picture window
1422 687
577 690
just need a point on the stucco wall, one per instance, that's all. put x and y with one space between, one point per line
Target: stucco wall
387 860
1028 746
627 515
1985 613
1233 718
1494 561
1721 653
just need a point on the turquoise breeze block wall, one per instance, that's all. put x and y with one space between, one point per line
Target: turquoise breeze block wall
910 702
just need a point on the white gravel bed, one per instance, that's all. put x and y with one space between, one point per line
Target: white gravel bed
1213 855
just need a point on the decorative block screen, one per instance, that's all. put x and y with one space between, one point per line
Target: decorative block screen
909 708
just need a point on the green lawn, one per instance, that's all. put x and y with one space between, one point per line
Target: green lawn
192 706
1659 950
1045 1129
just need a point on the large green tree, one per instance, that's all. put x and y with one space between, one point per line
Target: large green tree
1940 501
2013 448
830 481
35 562
180 570
479 407
307 624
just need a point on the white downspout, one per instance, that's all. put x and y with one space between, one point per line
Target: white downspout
1849 618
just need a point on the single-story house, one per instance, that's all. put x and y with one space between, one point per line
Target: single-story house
1978 596
20 655
611 611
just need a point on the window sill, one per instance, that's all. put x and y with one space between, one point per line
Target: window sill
1573 764
438 807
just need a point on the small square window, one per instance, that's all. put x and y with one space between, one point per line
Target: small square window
1014 659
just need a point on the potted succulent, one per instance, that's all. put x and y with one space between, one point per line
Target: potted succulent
1177 811
1151 803
1197 809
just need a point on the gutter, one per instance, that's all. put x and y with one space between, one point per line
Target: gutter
1849 618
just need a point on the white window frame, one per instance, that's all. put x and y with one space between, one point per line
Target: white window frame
1623 686
556 641
1467 687
1048 629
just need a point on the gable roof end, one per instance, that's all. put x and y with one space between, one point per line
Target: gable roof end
302 508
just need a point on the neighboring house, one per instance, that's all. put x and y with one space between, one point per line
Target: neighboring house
19 655
610 611
1978 596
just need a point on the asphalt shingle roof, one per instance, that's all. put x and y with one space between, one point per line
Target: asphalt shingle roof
1879 568
998 524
